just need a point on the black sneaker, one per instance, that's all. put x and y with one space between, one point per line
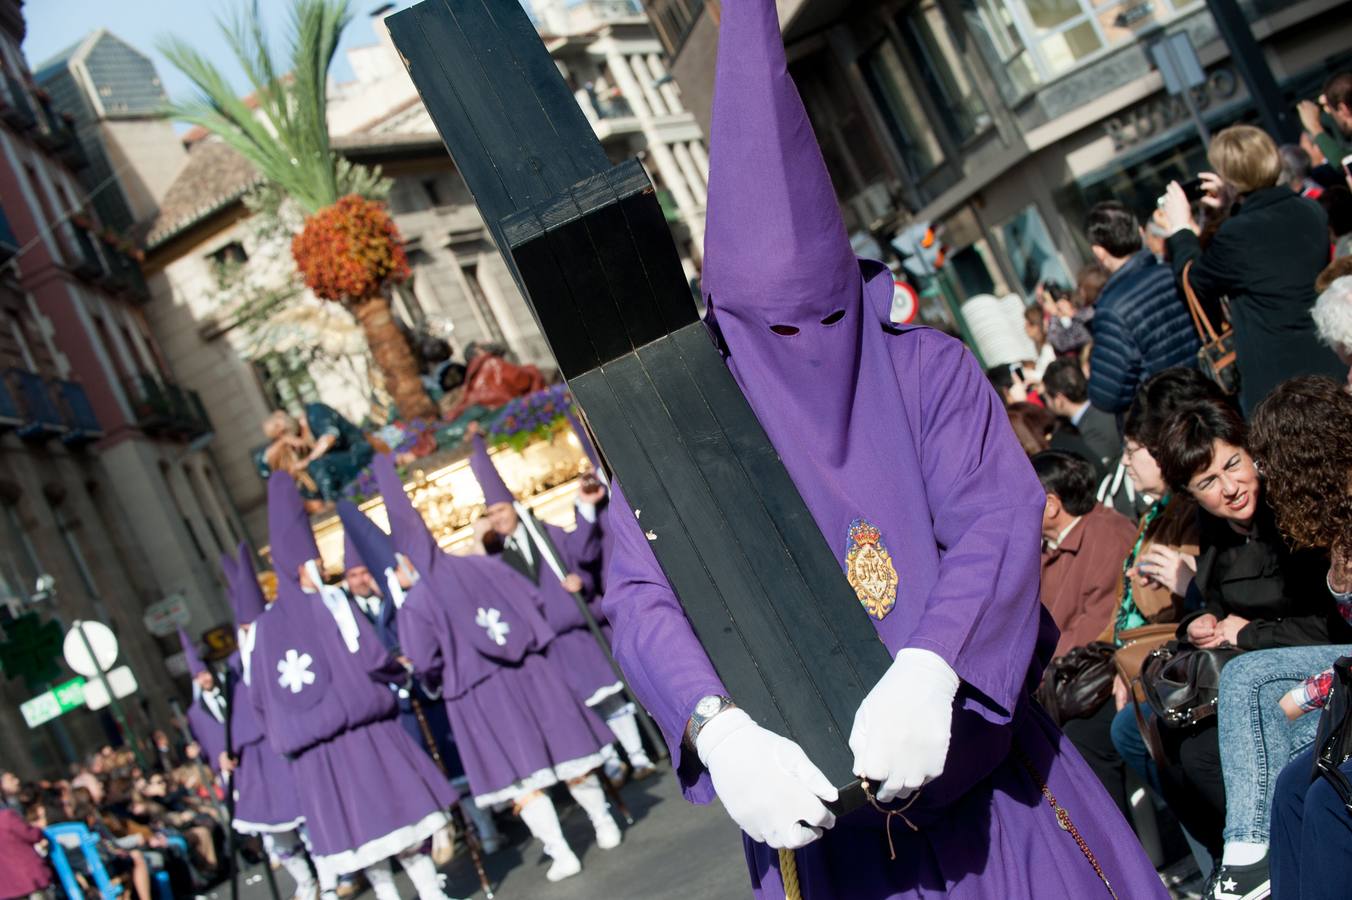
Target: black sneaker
1251 882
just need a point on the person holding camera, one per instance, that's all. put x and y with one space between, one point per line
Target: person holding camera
1263 258
1336 100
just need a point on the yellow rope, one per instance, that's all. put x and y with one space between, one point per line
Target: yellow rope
788 873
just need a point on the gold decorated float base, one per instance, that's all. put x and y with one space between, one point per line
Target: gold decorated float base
544 476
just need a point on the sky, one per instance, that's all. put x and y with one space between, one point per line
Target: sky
54 25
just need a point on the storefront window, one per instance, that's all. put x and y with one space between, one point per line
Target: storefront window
900 107
997 38
941 67
1030 249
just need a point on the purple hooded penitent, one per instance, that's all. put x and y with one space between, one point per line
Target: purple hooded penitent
472 624
264 786
896 441
246 594
320 686
575 650
190 656
481 464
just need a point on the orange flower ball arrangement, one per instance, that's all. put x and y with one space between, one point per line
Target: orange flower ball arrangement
350 250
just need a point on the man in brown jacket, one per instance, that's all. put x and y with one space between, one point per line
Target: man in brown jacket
1083 546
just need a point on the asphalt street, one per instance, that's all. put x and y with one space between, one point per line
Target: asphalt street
673 851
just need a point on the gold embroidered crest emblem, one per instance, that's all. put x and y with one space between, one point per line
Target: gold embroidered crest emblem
869 569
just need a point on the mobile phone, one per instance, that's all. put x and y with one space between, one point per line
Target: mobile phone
1193 190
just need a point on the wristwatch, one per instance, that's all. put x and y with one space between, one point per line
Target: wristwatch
705 709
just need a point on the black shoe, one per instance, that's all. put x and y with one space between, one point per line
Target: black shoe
1251 882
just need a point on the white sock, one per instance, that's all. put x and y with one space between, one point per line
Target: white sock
288 849
625 726
381 877
423 873
592 798
1242 853
543 821
482 820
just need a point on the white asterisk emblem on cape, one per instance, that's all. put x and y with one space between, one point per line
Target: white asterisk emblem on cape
295 671
491 621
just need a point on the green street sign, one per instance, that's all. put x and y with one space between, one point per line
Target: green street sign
50 704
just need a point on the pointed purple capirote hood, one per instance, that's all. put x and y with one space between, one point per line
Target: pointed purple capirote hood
195 664
775 243
490 482
246 594
408 532
364 544
291 539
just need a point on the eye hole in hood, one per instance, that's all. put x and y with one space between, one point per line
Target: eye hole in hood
834 317
784 330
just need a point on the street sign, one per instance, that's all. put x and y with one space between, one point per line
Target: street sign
905 303
122 681
50 704
31 650
1177 61
101 640
165 617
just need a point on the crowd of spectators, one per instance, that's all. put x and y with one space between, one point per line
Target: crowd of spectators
1203 522
166 817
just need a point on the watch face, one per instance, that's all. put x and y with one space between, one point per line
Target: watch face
708 706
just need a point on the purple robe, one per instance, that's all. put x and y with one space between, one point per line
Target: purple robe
366 789
265 787
515 719
896 427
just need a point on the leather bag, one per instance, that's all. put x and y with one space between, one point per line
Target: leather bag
1333 740
1183 683
1077 684
1137 644
1216 358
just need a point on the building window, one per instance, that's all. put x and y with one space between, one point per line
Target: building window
929 41
1063 33
900 107
674 20
1030 249
991 23
227 259
286 382
429 186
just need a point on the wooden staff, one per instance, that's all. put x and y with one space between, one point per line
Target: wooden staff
461 821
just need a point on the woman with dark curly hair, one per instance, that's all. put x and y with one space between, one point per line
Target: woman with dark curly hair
1302 437
1258 595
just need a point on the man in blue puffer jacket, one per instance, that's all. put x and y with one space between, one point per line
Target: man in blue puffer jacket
1141 322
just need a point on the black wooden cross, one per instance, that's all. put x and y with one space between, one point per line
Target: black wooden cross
590 250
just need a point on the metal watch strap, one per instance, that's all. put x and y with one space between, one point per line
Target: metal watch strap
697 722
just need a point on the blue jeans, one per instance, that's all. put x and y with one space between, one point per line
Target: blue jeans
1311 854
1256 738
1131 746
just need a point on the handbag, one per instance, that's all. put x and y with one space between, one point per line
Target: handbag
1333 740
1077 684
1137 644
1216 358
1183 683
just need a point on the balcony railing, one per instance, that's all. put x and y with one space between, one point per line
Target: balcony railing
16 107
167 409
54 132
10 414
40 416
82 424
87 262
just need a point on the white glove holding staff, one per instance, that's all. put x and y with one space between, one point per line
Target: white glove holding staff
901 731
766 782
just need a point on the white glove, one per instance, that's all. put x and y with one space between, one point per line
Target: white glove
901 731
766 782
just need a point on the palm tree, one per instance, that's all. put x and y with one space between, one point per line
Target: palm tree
349 250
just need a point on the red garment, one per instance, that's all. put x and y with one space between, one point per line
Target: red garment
22 868
491 381
1082 578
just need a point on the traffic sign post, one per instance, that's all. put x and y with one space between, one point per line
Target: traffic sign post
1176 59
91 649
